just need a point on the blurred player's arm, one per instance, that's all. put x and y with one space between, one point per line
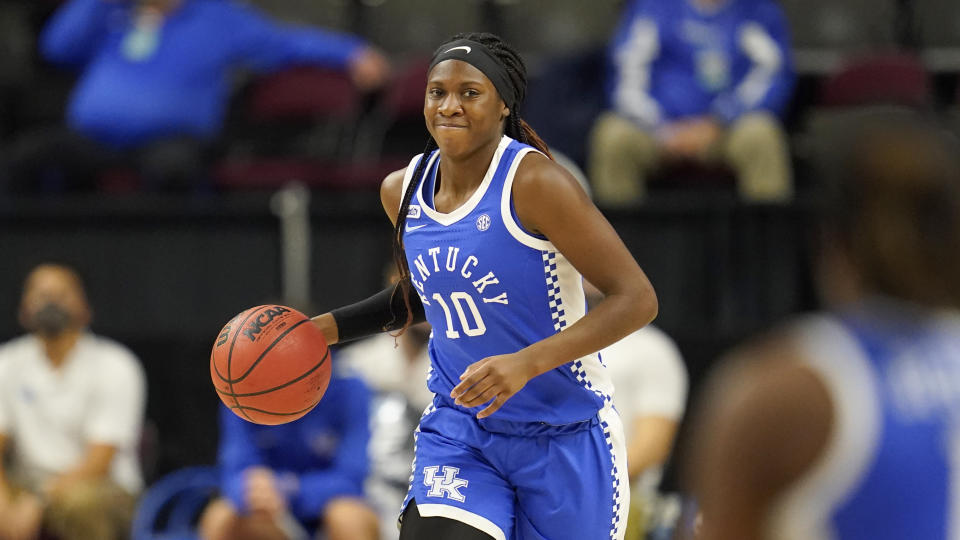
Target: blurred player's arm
763 422
768 85
266 44
74 30
634 48
385 310
650 444
346 475
114 420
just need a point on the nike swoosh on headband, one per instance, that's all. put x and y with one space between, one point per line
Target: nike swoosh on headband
464 47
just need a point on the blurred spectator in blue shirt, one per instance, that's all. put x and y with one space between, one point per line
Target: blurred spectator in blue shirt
695 80
286 481
156 79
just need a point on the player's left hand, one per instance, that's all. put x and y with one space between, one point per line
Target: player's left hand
495 377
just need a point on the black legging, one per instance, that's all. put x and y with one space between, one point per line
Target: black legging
416 527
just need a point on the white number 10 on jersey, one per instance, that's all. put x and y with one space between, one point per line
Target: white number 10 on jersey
458 299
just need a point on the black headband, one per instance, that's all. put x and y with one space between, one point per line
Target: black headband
480 57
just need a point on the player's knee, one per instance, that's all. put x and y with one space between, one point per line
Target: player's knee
80 499
351 518
613 134
756 132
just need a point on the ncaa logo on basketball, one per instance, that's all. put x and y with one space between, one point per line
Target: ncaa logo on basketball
413 212
483 222
263 319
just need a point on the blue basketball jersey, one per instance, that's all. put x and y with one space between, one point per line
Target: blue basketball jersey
489 287
892 467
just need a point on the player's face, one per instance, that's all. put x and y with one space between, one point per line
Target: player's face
462 108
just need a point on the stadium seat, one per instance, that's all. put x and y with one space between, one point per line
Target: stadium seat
824 32
937 25
170 508
296 124
405 28
395 126
544 30
881 79
330 14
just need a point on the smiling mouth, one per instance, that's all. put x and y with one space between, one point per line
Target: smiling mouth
455 126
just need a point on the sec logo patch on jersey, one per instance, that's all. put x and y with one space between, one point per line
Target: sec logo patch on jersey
483 222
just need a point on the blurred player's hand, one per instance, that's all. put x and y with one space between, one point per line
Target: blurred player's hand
21 519
495 377
263 492
690 138
368 69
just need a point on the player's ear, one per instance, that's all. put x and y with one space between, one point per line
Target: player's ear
505 112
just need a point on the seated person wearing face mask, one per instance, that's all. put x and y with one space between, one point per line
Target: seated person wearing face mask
71 409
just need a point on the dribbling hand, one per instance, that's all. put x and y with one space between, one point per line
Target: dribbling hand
495 377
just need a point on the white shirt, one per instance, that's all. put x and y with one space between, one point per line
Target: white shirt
50 415
383 365
649 379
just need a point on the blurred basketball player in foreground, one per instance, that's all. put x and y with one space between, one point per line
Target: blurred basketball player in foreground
843 425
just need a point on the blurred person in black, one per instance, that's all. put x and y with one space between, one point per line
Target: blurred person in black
843 425
155 83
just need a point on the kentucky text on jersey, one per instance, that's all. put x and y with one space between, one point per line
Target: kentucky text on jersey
452 264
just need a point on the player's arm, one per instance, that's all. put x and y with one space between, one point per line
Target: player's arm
550 202
763 422
4 485
650 444
384 311
75 29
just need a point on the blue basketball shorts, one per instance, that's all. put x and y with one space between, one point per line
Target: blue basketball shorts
547 483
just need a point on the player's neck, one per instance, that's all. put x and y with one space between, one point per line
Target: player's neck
459 176
58 347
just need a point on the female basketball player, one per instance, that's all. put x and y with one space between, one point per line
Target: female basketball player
844 425
492 237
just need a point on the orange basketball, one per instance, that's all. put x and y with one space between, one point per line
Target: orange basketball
270 365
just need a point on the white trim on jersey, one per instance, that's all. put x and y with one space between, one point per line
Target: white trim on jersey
506 195
407 175
474 520
464 209
616 442
567 285
838 360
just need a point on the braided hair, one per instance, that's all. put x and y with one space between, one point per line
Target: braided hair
515 128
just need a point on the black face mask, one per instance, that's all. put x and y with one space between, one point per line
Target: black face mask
51 320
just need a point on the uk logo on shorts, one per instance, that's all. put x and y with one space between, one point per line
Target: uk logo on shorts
447 485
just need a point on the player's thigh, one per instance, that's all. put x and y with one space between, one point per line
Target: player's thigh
452 479
577 487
